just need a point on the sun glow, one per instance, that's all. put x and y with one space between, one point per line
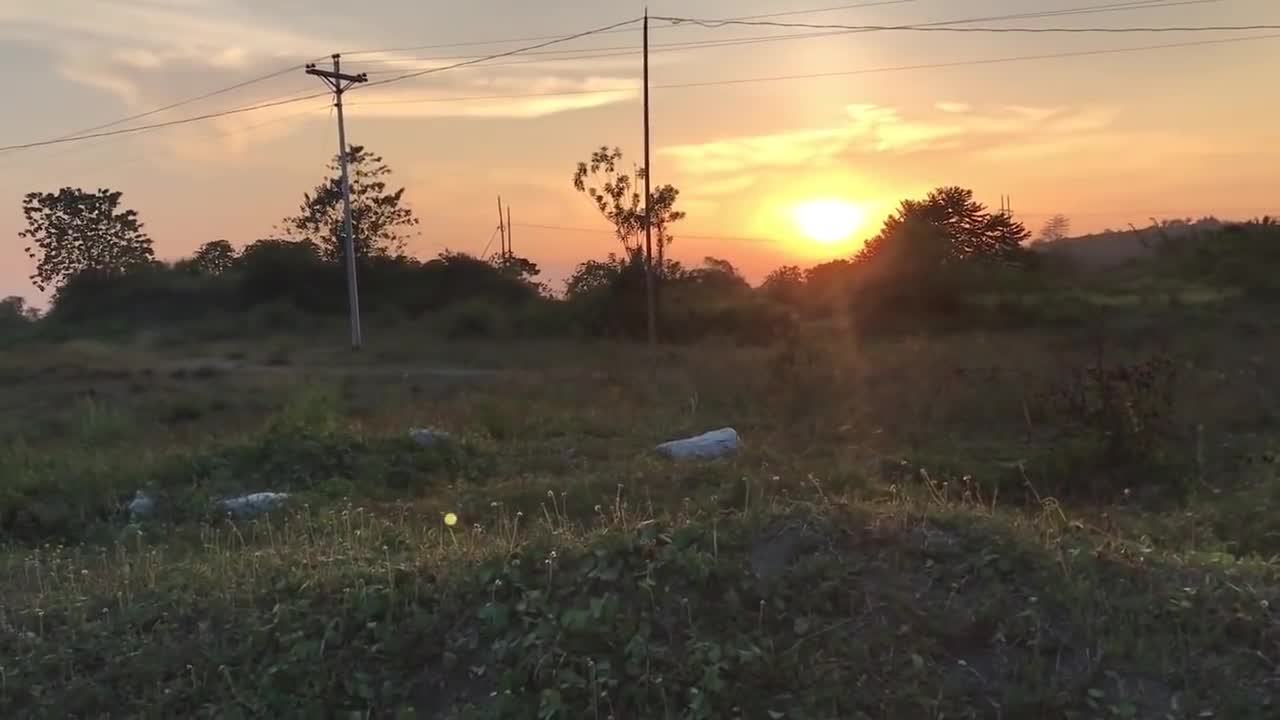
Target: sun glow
828 221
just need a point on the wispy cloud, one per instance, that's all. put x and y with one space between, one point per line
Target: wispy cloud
148 53
512 97
954 107
873 129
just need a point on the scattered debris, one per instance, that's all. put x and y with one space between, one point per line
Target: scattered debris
716 443
141 506
254 504
428 437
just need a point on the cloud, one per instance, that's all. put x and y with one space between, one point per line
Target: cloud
727 186
113 84
873 129
502 97
953 107
150 53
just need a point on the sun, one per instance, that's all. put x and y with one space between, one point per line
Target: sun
828 221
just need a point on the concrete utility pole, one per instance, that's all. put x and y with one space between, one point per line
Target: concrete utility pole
648 209
340 83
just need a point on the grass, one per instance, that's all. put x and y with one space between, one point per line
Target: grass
917 528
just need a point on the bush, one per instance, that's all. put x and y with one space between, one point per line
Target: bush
1123 431
474 319
148 295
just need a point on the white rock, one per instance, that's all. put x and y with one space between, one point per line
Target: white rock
141 506
427 437
716 443
253 504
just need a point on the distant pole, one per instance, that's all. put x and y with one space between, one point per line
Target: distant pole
340 83
502 230
511 231
648 207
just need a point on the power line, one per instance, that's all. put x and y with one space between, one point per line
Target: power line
473 43
962 63
627 51
498 56
843 73
949 29
287 101
406 76
170 123
188 101
142 157
1082 10
604 231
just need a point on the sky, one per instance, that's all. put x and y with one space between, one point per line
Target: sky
1107 138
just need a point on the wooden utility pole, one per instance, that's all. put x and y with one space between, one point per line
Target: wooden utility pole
648 209
502 230
340 83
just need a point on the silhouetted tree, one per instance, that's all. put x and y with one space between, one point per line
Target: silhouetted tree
14 311
379 221
594 276
718 275
664 214
214 257
74 231
786 284
522 269
617 196
1055 228
968 229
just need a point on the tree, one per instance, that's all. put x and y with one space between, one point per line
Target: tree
786 284
14 311
719 275
522 269
74 231
617 196
594 276
969 230
378 220
1055 228
662 209
613 193
214 257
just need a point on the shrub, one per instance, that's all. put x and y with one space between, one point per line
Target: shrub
1123 432
147 295
474 319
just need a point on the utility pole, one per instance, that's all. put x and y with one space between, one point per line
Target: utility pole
340 83
511 231
648 211
502 229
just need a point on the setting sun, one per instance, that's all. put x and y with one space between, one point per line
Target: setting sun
829 221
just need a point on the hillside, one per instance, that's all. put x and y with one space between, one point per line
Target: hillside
1115 248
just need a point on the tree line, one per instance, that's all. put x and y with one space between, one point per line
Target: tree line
931 258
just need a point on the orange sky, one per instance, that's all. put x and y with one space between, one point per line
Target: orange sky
1108 139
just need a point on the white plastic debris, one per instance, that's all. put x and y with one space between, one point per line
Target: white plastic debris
714 444
140 506
429 437
253 504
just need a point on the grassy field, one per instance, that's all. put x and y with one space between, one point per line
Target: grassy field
1077 525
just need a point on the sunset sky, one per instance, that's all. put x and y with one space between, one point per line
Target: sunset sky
1107 139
